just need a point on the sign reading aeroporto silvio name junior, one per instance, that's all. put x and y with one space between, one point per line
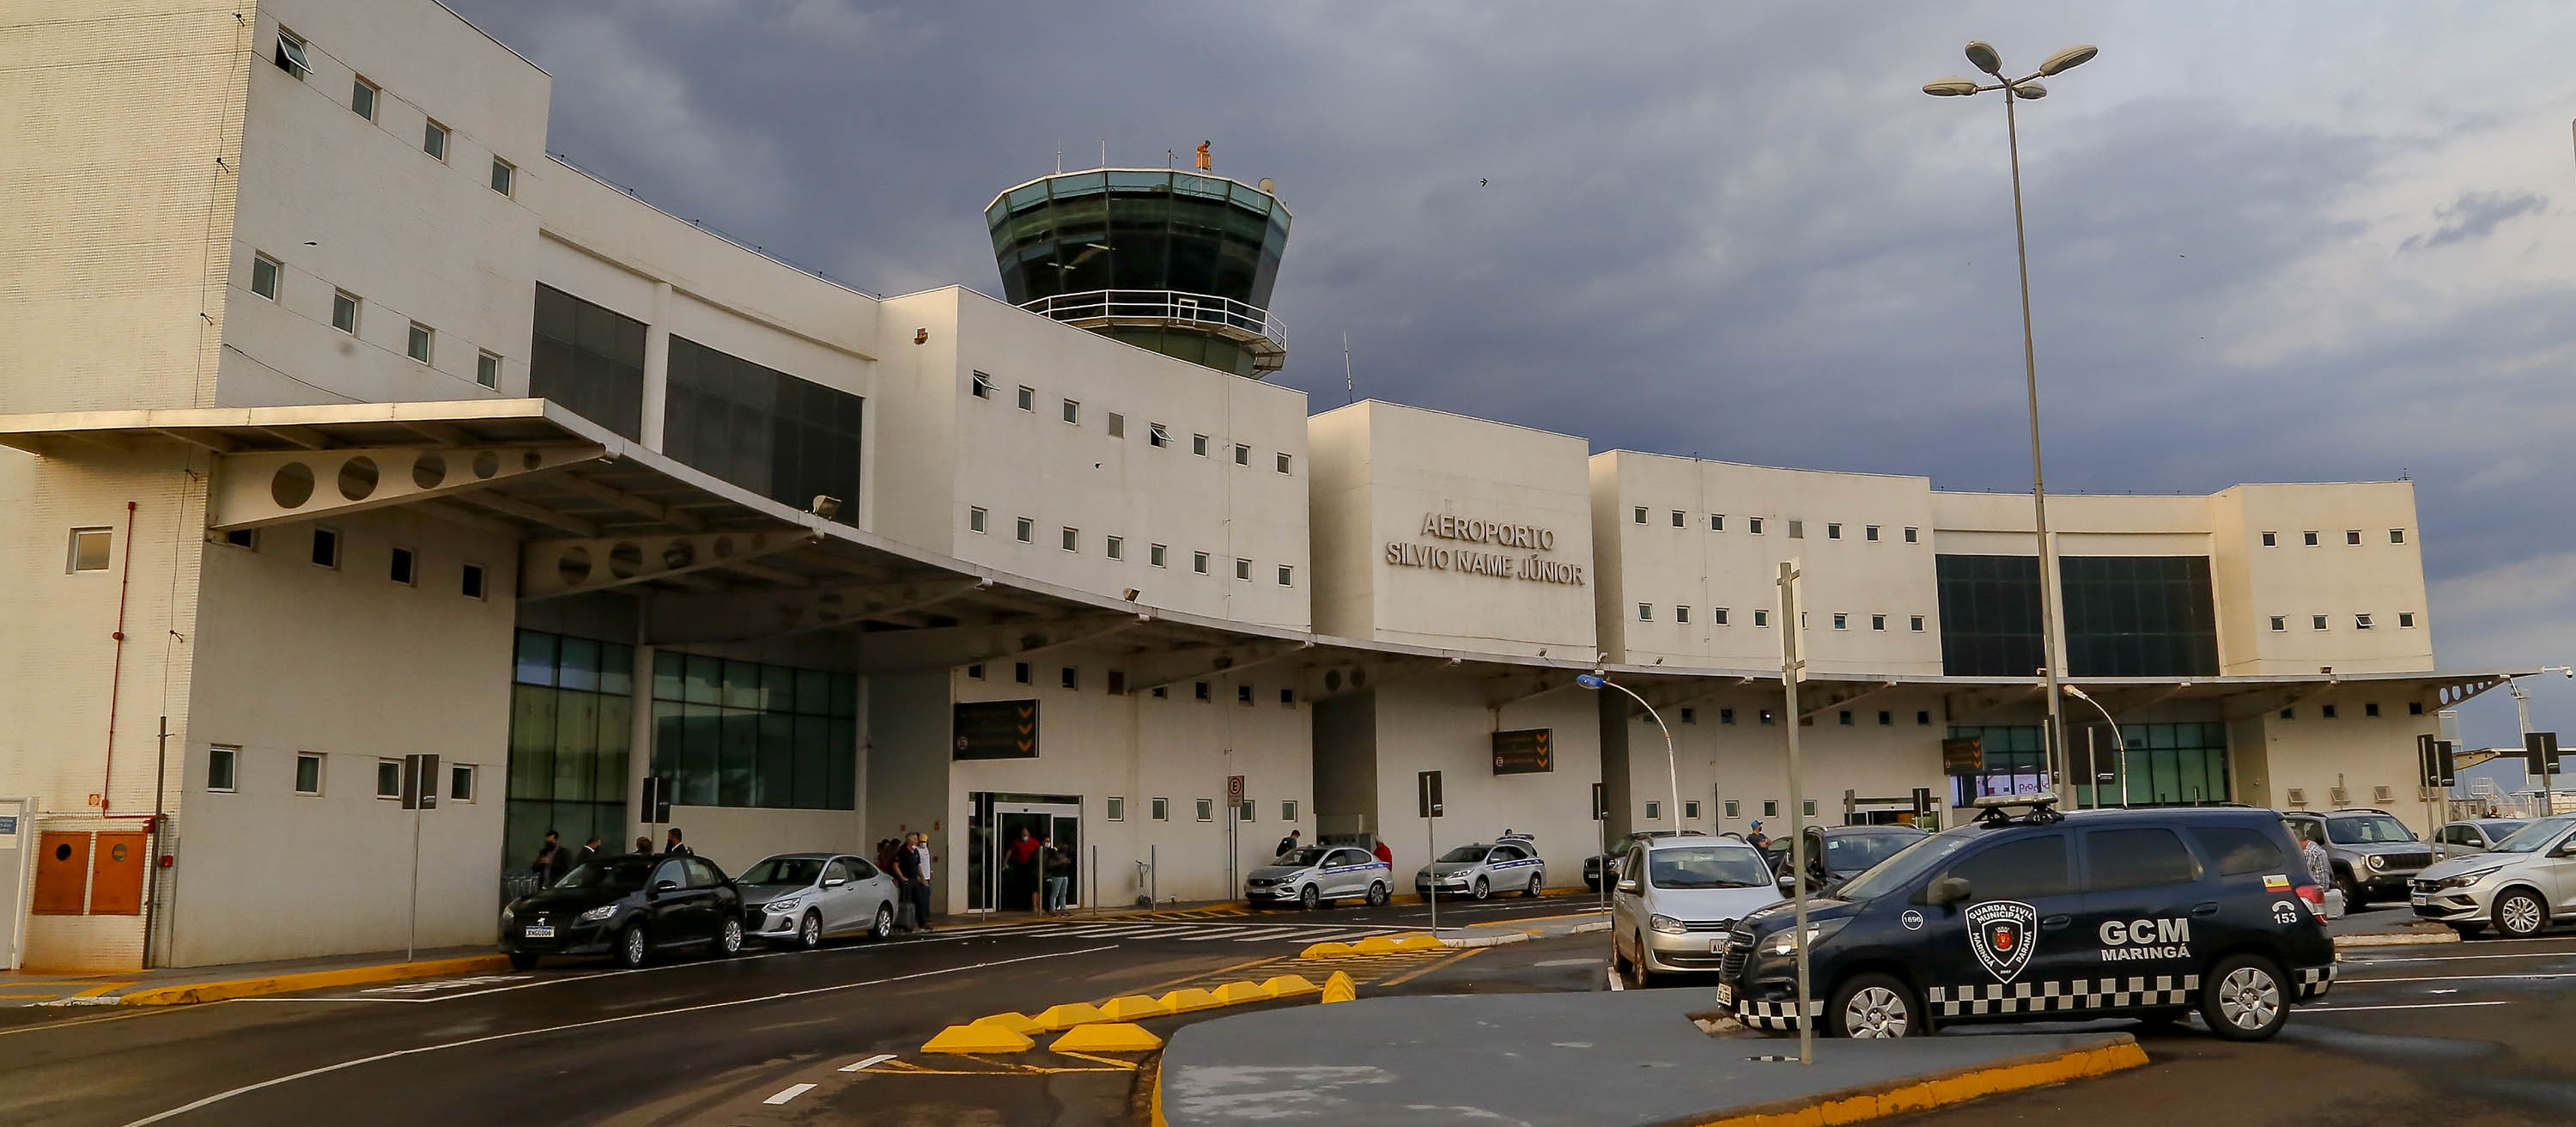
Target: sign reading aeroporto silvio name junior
1474 561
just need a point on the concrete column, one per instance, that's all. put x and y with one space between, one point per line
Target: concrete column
657 367
639 740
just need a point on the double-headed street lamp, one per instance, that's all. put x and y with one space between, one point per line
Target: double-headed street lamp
1984 57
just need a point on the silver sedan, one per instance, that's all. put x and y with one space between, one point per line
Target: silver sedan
800 898
1480 870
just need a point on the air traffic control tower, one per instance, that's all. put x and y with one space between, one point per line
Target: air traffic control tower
1178 262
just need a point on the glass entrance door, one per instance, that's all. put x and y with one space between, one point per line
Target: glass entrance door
1002 874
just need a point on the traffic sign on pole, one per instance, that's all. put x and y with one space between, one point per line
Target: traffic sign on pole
1427 793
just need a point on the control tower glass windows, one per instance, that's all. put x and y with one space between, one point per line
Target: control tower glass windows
590 359
785 438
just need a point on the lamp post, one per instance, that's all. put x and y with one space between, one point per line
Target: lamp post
1985 58
1672 767
2119 747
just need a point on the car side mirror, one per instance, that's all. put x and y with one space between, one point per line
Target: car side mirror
2566 848
662 886
1947 890
1629 885
835 882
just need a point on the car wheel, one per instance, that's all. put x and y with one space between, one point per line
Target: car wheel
2352 895
729 938
632 950
2242 1000
521 960
1484 890
2520 914
1377 897
1641 976
809 931
1310 899
1536 883
883 926
1874 1006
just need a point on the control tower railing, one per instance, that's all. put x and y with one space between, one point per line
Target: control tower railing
1248 325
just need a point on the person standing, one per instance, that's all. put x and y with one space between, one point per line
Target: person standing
1385 855
672 844
2321 869
1754 836
1286 844
549 862
919 851
1058 865
644 844
1020 880
589 851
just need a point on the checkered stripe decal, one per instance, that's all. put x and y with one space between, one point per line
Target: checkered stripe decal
2315 981
1775 1015
2080 994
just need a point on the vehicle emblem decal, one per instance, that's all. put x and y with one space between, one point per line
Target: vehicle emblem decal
1913 920
2276 882
2003 932
2284 912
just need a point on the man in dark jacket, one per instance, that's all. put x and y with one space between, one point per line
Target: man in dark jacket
550 861
1286 843
672 844
589 851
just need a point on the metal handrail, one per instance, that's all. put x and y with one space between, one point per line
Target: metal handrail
1165 306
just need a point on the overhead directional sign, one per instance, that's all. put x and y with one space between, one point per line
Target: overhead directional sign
1525 751
996 729
1962 755
2540 753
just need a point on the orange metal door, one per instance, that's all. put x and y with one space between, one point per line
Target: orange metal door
62 874
116 875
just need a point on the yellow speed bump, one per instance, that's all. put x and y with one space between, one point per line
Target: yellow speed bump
1133 1006
1189 999
1014 1021
1376 945
1107 1037
1338 988
1421 943
1234 992
1289 986
978 1039
1325 951
1068 1015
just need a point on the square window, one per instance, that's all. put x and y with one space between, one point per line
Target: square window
976 519
2326 711
308 773
1157 555
1886 719
433 139
1207 809
1242 454
1720 613
1654 810
1770 808
1199 562
1287 575
326 547
1288 697
1645 612
1199 691
1753 525
1833 531
243 538
1922 717
389 778
983 386
403 569
1878 622
2405 619
1869 532
2289 714
2414 708
263 276
487 369
460 782
344 311
1640 514
1912 535
1198 445
1765 716
1844 718
1761 617
1072 412
1020 672
1841 621
1287 811
220 762
1117 425
1690 808
1915 624
2310 537
91 549
2271 540
2396 536
1690 716
2317 621
290 55
1155 435
1028 399
2370 709
1797 530
1071 678
1115 547
2352 536
471 585
1069 539
1678 518
1243 570
1025 530
505 176
1161 809
1681 613
1243 694
1117 809
1808 807
2361 622
1726 716
2280 622
1280 462
416 345
975 672
1734 808
362 98
1717 522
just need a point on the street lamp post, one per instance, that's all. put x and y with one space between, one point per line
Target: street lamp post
1672 766
1986 59
2119 747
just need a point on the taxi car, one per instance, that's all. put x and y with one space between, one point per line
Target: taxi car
1677 899
1479 869
2048 916
1317 875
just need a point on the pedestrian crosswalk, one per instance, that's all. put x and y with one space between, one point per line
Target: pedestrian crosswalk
1182 931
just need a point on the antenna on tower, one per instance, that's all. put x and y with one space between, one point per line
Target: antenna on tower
1350 391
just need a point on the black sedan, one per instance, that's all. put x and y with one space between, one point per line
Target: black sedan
627 906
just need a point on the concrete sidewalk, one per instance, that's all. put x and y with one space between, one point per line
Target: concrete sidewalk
172 985
1575 1060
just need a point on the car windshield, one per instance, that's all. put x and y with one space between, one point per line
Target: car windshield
1910 862
1300 858
2366 829
2501 828
2535 834
1707 866
1464 853
625 873
1851 853
784 870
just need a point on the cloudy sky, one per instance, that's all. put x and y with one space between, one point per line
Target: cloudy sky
2279 242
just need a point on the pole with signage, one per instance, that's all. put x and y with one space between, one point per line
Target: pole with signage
1233 822
419 795
1601 829
2540 759
1427 798
1793 669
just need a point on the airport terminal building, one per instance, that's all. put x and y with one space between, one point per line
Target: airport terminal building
340 424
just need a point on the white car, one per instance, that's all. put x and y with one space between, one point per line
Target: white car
800 898
1677 901
1479 870
1318 875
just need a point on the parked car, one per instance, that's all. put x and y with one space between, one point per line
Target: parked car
630 906
1594 865
802 898
2473 836
1676 900
2047 916
1478 869
1839 853
1317 875
2374 854
2519 887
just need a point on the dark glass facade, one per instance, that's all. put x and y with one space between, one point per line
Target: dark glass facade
589 359
571 728
740 733
1137 229
2166 764
785 438
2126 616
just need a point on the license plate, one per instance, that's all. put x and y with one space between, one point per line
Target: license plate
1717 946
539 931
1726 993
2417 900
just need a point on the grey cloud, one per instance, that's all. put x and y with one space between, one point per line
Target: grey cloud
2475 216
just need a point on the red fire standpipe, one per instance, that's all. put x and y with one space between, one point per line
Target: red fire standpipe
116 673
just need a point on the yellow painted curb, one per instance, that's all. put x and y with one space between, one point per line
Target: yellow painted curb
1234 992
1959 1087
978 1039
1421 943
1068 1015
1375 945
1190 999
308 980
1325 951
1289 985
1132 1006
1013 1020
1107 1037
1338 988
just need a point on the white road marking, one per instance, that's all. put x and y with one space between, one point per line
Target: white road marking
1254 936
2459 958
789 1093
2458 978
871 1062
1568 963
2407 1006
245 1089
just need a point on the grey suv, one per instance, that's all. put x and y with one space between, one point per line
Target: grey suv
2374 854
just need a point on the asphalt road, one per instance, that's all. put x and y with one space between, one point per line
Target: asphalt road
688 1043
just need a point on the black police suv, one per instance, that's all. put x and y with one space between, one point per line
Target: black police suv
628 906
2043 916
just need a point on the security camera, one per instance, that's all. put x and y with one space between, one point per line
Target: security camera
825 506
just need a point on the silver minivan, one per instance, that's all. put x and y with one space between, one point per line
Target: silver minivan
1676 900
